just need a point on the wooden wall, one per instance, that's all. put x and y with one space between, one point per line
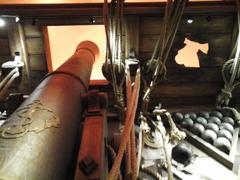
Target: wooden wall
189 86
5 54
35 50
35 53
184 86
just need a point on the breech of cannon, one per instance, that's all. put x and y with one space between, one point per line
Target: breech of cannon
41 138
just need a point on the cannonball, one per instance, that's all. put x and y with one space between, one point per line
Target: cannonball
201 120
216 114
182 153
209 136
187 123
228 120
204 114
223 144
226 126
192 115
225 133
213 127
177 117
215 120
197 129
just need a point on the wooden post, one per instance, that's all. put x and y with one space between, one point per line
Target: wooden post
132 35
17 43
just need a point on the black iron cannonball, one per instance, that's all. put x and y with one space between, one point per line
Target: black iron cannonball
197 129
187 123
177 117
215 120
213 127
182 153
216 114
201 120
226 126
223 144
209 136
225 133
204 114
228 120
191 115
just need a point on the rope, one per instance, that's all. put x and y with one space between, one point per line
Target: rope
172 17
128 94
133 155
128 167
113 31
232 65
113 156
130 116
150 172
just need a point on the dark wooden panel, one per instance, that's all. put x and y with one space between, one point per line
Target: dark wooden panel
3 33
217 24
236 96
32 30
147 42
36 77
38 62
144 56
132 35
186 75
35 46
4 47
191 89
217 40
150 25
169 102
219 52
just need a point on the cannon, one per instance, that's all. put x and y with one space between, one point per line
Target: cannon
40 140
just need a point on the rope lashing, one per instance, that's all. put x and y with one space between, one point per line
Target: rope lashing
230 71
172 17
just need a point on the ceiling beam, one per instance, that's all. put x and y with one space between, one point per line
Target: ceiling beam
58 10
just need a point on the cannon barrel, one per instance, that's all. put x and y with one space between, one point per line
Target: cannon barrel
41 138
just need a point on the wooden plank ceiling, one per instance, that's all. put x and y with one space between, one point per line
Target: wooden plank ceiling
86 1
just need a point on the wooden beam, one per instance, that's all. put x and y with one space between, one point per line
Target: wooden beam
70 10
17 42
47 49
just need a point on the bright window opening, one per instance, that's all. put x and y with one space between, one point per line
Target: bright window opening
63 41
188 55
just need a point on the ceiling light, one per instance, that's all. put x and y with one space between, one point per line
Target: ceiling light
17 19
190 20
2 22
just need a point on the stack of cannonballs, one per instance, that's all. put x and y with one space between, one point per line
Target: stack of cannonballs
214 127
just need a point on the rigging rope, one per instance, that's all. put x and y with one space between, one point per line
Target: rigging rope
231 66
172 17
130 116
113 31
